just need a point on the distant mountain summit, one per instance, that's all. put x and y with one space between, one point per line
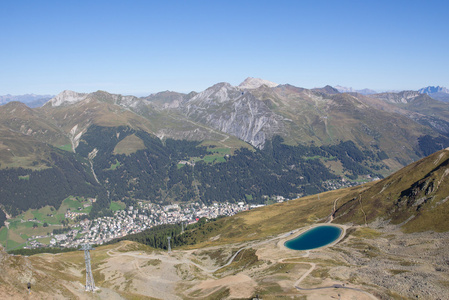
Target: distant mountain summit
433 89
67 97
343 89
254 83
436 92
327 90
31 100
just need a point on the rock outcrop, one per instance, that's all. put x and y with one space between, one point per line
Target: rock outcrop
236 112
401 97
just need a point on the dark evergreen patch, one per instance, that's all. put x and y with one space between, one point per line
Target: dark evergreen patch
156 236
351 157
428 144
41 250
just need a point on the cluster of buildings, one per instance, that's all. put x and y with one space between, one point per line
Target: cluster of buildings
343 183
136 219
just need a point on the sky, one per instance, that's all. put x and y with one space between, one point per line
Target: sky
142 47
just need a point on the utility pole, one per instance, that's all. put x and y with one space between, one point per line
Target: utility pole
90 284
169 248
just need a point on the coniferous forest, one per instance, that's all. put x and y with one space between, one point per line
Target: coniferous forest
154 173
156 237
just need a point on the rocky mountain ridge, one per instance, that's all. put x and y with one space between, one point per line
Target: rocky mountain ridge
257 114
393 128
433 89
401 97
235 112
437 92
415 197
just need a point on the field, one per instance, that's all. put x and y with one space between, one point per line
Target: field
117 206
129 145
230 142
114 166
31 223
217 155
66 147
74 204
3 234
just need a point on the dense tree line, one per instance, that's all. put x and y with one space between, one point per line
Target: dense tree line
2 217
153 173
22 189
41 250
156 236
351 157
62 230
428 144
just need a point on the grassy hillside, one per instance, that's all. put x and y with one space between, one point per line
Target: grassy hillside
415 195
269 220
20 118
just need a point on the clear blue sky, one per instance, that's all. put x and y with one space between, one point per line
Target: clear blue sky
140 47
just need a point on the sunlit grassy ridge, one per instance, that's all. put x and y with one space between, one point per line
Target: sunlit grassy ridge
416 195
269 220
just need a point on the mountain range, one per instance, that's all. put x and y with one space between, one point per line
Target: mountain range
260 138
436 92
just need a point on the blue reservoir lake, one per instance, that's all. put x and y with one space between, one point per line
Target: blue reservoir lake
314 238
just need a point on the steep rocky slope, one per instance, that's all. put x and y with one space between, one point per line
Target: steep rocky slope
235 112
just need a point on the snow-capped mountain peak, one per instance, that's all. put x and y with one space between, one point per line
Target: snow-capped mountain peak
254 83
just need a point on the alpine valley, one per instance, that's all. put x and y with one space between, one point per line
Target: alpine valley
373 163
227 143
394 245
